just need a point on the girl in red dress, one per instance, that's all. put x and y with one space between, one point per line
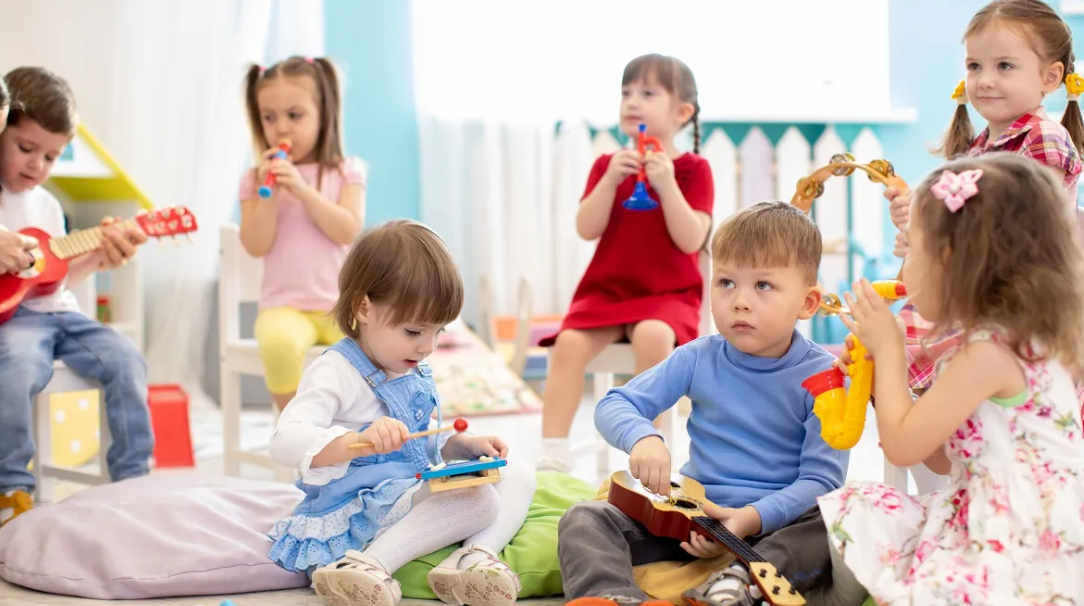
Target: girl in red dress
644 282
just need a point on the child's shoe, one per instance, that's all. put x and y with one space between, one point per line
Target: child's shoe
473 575
356 580
727 587
14 503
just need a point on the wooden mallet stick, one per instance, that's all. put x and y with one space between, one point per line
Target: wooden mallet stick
459 426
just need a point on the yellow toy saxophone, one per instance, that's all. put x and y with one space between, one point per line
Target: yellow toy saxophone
843 413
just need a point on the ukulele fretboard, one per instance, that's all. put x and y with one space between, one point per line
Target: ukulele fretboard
729 540
81 242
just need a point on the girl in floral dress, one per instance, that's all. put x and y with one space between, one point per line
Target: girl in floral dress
1001 420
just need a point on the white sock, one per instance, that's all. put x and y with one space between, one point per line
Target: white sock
556 453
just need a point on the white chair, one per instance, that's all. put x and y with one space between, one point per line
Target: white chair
618 359
238 284
65 380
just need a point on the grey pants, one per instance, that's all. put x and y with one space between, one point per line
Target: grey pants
598 545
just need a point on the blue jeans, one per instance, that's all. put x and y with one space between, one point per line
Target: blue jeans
29 343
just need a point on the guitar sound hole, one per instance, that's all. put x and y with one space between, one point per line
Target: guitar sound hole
683 503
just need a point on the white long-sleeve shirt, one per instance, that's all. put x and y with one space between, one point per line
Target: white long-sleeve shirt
332 399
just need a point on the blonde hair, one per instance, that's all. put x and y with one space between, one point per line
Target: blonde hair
1010 257
401 265
674 76
329 141
1051 39
770 234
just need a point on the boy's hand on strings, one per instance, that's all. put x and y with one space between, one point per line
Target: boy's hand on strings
622 164
464 446
871 320
15 255
660 170
385 434
742 522
286 175
649 462
119 243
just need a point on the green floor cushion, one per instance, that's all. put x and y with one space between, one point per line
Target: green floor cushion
532 554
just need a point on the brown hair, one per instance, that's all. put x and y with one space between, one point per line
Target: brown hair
5 100
401 265
1025 275
1052 41
44 97
329 142
770 234
674 76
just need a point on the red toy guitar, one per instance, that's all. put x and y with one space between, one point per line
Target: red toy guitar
683 512
52 255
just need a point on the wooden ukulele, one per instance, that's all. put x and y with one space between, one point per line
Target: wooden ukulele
683 512
52 254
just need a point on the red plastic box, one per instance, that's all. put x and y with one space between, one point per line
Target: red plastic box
169 420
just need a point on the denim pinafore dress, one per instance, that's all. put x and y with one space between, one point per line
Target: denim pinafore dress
376 492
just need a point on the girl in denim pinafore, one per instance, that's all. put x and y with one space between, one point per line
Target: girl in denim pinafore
364 513
376 491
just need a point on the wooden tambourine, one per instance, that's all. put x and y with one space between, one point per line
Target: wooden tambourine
812 187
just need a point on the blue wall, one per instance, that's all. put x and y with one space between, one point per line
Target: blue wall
370 41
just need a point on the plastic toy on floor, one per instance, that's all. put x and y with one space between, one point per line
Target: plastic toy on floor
640 199
843 412
463 474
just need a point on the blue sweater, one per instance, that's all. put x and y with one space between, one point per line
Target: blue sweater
754 439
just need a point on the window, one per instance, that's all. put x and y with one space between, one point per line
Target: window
774 59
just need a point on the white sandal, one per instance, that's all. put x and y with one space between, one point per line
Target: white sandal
488 583
356 580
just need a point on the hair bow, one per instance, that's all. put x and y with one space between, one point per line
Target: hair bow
954 189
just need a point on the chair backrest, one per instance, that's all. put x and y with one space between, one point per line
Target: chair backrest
239 280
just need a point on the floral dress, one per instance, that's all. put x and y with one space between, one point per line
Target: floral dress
1007 529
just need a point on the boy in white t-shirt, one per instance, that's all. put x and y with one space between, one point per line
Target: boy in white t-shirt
41 122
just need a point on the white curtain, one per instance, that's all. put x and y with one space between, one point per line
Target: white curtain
160 84
504 197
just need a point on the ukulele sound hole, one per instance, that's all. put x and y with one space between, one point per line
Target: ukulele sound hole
683 503
674 484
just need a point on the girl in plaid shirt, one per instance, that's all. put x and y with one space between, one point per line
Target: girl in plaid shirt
1018 51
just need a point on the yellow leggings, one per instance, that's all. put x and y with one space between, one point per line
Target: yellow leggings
285 335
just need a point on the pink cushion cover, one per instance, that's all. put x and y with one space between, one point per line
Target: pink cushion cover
157 536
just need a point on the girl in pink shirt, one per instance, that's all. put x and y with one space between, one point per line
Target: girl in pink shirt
315 209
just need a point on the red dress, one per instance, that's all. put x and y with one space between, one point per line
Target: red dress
637 272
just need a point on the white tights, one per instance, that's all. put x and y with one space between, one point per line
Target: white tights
488 515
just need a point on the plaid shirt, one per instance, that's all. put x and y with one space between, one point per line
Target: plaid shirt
1033 135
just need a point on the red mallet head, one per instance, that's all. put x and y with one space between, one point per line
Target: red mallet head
460 425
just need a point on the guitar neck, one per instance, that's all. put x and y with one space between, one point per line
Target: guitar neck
82 241
727 539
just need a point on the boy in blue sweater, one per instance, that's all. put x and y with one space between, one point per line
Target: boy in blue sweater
755 443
